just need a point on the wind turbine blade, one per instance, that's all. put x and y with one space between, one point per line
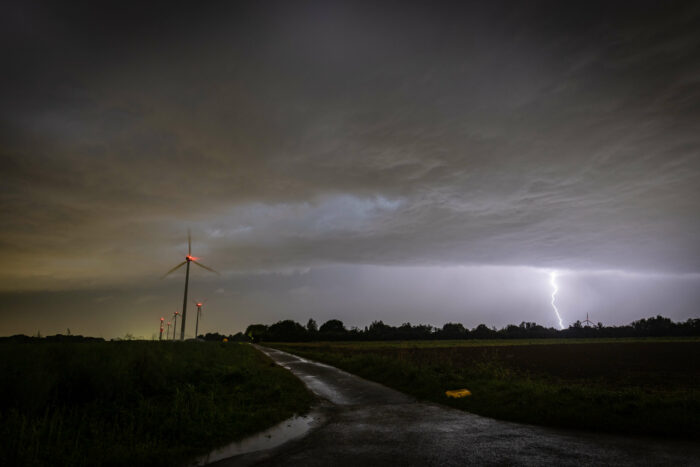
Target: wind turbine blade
173 269
206 267
189 242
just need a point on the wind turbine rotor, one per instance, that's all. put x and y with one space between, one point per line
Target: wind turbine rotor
206 267
174 269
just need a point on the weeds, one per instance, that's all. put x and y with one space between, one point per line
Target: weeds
135 403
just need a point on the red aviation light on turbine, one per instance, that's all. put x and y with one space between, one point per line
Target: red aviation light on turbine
191 258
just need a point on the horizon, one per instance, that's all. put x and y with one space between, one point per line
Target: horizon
580 325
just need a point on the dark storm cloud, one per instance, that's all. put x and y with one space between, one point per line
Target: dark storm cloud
298 134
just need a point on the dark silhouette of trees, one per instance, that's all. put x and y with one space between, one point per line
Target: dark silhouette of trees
332 325
256 332
21 338
452 331
213 336
311 326
658 326
378 331
332 330
287 331
483 332
216 337
335 330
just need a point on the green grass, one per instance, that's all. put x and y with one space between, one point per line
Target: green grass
136 403
639 386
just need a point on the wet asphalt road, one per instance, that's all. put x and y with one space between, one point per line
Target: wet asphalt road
367 424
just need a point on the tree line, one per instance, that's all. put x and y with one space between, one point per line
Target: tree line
335 330
21 338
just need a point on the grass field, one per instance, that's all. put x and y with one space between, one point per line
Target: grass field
136 403
635 386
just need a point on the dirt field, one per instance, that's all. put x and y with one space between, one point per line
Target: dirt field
665 364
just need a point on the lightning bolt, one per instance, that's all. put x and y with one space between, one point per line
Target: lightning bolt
555 289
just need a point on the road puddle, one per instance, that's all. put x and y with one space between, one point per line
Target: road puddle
279 434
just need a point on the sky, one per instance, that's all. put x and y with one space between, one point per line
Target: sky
423 162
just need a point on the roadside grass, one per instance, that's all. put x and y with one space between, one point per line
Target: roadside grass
136 403
642 387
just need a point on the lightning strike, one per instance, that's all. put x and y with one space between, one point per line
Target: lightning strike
555 289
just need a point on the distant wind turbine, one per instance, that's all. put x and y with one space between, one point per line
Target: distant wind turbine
175 323
160 336
199 312
188 259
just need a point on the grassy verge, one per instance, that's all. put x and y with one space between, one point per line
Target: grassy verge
634 387
136 403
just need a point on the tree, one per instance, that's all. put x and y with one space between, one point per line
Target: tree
452 331
332 325
379 331
658 326
214 336
256 332
311 326
483 332
333 329
287 331
238 337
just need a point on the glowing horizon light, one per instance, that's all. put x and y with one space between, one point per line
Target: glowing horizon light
555 289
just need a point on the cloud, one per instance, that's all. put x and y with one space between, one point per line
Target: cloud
322 135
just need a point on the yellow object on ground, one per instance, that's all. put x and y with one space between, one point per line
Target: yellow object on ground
225 339
457 393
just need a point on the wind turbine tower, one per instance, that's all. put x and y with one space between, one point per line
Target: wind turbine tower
160 336
167 333
188 259
175 324
199 312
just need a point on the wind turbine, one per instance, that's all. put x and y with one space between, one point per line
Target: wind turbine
160 336
199 312
167 333
188 259
175 323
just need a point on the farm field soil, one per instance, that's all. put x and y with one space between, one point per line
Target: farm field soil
393 344
645 387
136 403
